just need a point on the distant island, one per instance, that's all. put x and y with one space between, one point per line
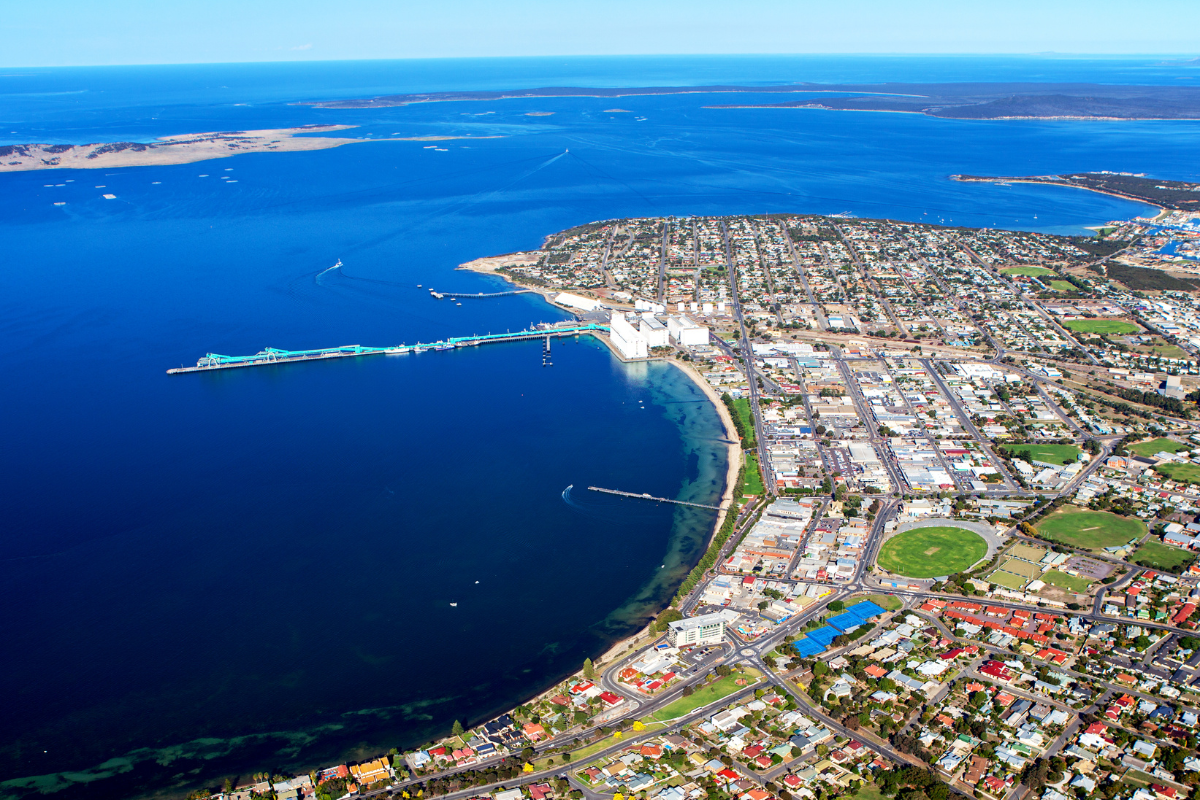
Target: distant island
183 149
945 100
1172 195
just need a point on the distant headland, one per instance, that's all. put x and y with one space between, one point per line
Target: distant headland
183 149
945 100
1172 195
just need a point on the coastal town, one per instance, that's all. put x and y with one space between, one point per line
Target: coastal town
957 550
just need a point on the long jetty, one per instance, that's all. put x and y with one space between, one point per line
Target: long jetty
461 296
647 496
271 355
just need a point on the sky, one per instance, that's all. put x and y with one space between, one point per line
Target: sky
96 32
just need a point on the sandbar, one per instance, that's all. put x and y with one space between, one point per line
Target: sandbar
185 149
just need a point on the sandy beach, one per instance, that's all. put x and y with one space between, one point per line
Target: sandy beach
184 149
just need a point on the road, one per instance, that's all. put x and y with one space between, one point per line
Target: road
965 421
769 482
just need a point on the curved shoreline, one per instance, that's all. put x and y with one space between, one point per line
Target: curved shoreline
1141 200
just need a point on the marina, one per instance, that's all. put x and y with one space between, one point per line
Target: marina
272 355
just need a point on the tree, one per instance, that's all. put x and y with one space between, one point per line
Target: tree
668 615
457 728
836 605
589 669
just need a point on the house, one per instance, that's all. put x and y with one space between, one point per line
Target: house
533 731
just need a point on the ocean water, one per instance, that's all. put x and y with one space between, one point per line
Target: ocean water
209 575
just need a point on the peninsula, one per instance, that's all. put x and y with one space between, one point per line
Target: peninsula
1173 195
184 149
957 557
944 100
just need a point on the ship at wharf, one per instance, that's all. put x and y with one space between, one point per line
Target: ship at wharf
271 356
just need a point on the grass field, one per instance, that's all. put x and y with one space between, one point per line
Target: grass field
1022 568
1062 580
1062 286
1169 351
931 552
718 689
741 407
1162 556
1160 445
1029 272
1007 580
1091 530
1028 552
1185 473
869 791
754 483
1100 326
1049 453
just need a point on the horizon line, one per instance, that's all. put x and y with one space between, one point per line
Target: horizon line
1183 58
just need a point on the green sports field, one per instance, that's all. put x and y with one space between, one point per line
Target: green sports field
1007 580
1162 556
1100 326
1072 583
931 552
1160 445
1091 530
1184 473
1048 453
1029 272
1062 286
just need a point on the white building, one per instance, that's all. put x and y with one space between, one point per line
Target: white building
705 629
653 331
628 340
685 332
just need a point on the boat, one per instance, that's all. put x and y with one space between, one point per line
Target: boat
444 347
454 605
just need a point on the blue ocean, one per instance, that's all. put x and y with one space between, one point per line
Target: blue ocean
279 568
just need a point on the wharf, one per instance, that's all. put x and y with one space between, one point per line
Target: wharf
647 496
271 355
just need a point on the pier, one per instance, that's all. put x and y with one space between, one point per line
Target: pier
645 496
272 355
461 296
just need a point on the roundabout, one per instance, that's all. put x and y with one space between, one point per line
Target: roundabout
935 548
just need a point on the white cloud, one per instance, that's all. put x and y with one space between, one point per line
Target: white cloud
303 46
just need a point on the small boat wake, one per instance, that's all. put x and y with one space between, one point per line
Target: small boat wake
596 506
317 279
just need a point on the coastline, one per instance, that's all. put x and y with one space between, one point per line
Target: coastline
925 113
185 148
1142 200
489 265
733 449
